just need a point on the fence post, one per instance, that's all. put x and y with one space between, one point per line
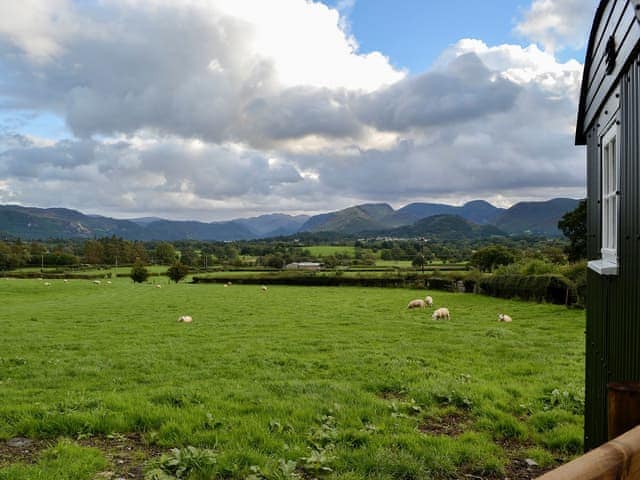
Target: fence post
623 405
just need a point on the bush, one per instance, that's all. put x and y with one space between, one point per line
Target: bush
549 288
177 271
139 273
577 273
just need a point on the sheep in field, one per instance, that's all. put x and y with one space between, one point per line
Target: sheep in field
158 285
441 314
185 319
47 284
108 282
66 281
504 318
97 282
264 288
418 303
428 300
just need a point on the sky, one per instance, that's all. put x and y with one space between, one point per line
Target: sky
219 109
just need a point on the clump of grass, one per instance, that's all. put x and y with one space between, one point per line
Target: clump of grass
183 463
64 461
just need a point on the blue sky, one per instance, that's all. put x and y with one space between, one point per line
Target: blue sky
413 33
218 109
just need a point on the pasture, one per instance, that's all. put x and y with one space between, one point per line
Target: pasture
295 382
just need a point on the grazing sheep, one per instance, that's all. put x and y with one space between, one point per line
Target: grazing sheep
97 282
108 282
65 280
441 314
418 303
47 284
226 285
185 319
264 288
504 318
158 285
428 300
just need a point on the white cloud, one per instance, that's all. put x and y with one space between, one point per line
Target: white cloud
198 108
558 24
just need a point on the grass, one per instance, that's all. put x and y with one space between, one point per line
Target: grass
325 250
336 382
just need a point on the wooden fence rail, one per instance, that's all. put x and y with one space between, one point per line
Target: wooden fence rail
618 459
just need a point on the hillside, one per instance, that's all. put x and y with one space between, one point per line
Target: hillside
537 218
477 211
446 227
273 225
353 219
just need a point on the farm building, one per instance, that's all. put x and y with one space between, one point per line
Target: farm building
303 266
609 125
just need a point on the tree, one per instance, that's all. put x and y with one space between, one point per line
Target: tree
139 273
177 271
188 256
165 253
419 261
488 258
574 226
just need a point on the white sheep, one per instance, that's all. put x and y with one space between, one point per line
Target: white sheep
418 303
97 282
226 285
428 300
108 282
504 318
264 288
158 285
47 284
441 314
185 319
65 280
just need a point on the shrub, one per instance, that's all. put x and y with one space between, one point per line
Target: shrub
550 288
177 271
139 273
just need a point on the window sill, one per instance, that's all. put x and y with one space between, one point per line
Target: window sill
603 267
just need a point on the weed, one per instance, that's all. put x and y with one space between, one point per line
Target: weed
181 463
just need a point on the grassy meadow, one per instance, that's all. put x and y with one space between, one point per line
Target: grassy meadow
294 382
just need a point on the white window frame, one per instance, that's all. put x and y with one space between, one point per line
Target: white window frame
609 201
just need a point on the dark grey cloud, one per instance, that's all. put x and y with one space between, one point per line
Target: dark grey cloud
465 90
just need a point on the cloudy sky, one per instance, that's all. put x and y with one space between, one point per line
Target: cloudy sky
215 109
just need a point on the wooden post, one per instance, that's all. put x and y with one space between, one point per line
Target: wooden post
623 405
618 459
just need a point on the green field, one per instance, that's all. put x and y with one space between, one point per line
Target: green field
338 382
324 250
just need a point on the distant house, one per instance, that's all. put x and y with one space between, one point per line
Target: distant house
303 266
609 125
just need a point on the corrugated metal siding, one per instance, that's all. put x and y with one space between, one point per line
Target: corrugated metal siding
622 25
619 20
613 303
594 380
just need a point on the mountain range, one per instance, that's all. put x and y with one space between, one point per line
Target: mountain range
473 219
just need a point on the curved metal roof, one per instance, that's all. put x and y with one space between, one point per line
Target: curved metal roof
593 37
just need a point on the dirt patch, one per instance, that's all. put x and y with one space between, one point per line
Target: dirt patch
10 453
126 453
392 395
451 424
518 468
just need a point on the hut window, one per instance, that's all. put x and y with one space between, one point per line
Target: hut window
610 180
609 201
